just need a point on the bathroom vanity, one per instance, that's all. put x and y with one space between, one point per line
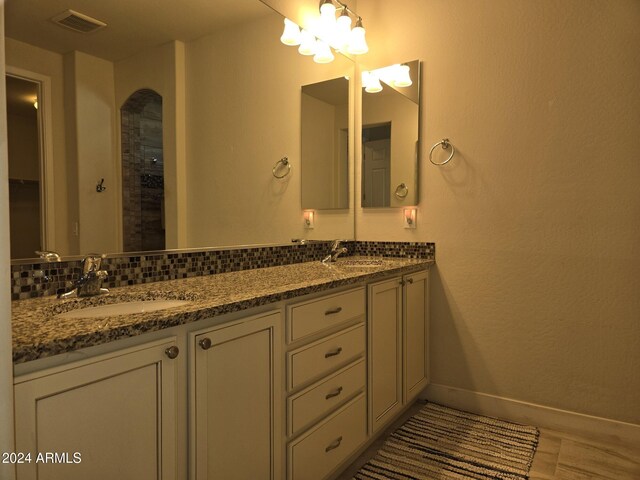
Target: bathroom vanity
272 373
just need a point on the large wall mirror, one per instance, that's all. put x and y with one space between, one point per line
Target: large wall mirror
161 129
390 136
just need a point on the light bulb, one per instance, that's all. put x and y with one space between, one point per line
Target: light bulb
327 25
343 31
357 43
328 9
307 43
291 33
372 84
402 77
323 52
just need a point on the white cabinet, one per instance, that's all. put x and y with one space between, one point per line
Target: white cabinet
235 412
112 416
326 403
415 334
397 345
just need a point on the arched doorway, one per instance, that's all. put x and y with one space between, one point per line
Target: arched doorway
143 224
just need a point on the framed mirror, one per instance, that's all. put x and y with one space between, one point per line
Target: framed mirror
325 144
184 112
390 136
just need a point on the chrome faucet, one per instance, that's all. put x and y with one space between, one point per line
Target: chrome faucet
336 251
91 279
48 256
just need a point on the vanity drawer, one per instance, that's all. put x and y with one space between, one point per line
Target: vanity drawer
320 398
316 359
316 454
307 318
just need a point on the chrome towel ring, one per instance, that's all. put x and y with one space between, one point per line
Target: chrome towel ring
402 191
280 164
445 145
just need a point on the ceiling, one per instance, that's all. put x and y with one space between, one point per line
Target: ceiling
132 25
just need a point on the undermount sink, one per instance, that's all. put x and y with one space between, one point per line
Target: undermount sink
125 308
358 263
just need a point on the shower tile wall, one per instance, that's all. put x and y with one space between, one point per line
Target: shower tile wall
142 171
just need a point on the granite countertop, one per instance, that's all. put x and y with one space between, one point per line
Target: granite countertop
38 333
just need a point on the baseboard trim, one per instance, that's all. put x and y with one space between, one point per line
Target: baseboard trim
598 428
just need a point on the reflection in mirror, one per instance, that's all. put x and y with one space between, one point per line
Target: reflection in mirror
23 135
142 172
390 136
230 110
325 145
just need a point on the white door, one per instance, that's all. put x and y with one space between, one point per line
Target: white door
376 170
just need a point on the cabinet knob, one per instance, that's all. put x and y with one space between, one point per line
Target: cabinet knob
334 444
333 353
410 280
205 343
172 352
402 282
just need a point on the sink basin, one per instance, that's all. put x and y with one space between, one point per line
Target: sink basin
125 308
359 263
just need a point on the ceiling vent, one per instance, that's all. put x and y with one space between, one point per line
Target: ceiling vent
78 22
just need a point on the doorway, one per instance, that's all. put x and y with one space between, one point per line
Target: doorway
25 173
376 165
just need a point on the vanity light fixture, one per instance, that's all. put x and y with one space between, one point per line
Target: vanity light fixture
371 82
292 34
307 43
323 52
328 32
395 75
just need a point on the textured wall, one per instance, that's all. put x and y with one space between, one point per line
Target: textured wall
536 295
6 367
233 198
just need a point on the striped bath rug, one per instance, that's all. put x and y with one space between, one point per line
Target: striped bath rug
440 443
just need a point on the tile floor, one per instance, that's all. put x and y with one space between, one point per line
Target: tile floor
559 456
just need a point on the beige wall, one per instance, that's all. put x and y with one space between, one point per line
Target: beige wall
92 81
50 64
536 219
6 367
232 194
320 153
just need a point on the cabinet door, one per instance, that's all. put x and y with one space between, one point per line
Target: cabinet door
415 351
113 416
385 351
237 419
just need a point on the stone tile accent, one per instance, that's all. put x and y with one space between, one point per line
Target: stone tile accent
43 279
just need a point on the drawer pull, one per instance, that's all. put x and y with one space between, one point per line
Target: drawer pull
335 444
334 393
333 353
333 311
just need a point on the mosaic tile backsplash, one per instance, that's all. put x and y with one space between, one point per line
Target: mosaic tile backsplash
42 279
